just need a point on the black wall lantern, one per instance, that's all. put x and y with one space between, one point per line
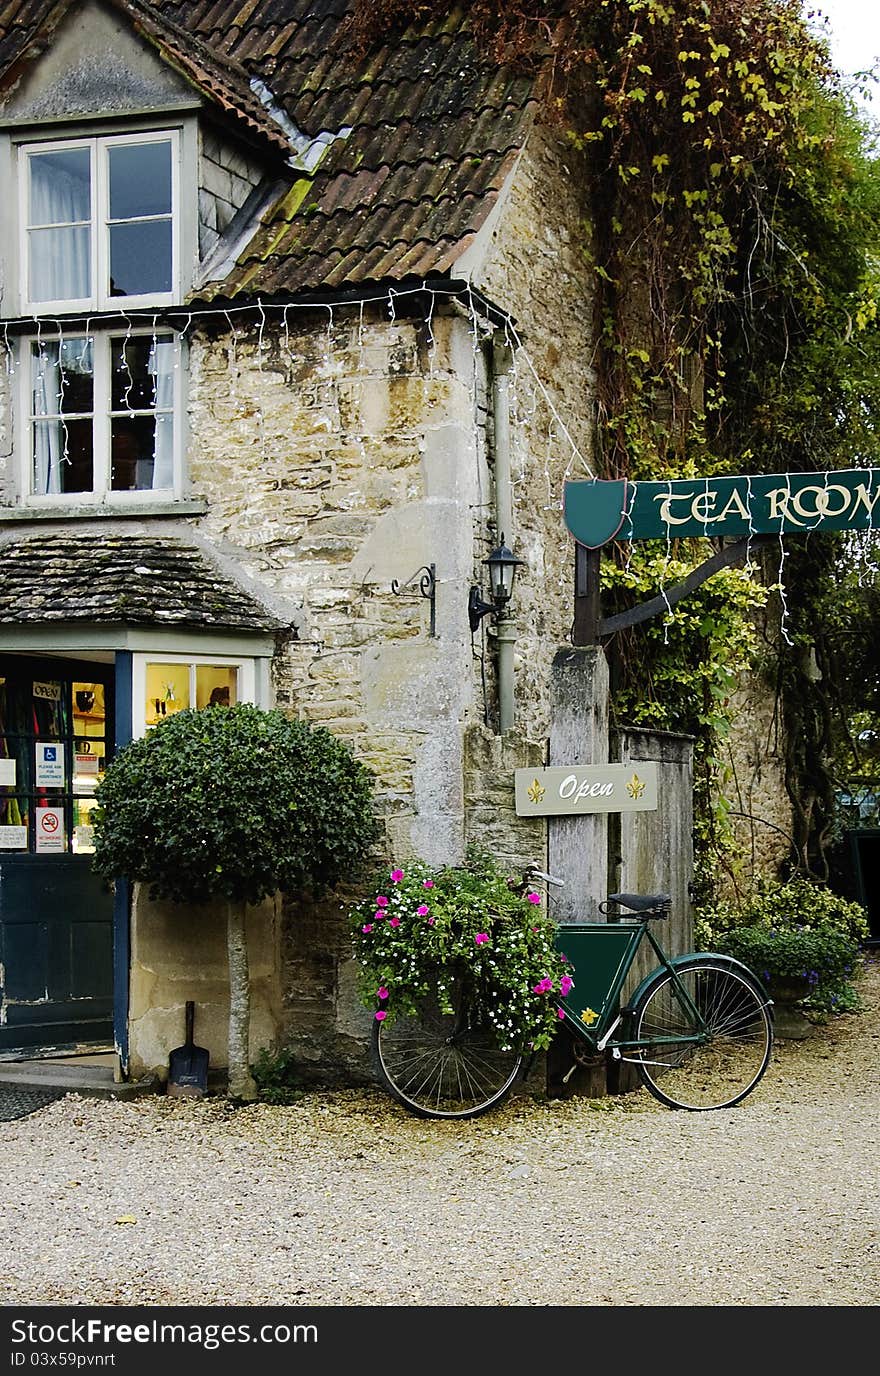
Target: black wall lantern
502 564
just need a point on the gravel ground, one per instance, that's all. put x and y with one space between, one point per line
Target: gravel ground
344 1199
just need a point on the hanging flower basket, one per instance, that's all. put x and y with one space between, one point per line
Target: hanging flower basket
423 929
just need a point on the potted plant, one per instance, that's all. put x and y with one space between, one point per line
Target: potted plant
421 924
801 940
794 964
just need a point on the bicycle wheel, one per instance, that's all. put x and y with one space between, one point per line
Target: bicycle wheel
444 1066
720 1070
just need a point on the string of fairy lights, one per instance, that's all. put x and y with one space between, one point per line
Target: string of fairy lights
543 446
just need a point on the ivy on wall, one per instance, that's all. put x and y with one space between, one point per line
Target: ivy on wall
731 208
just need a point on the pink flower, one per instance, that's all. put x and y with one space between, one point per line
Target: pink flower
427 883
422 909
381 1015
378 915
560 1013
562 957
381 901
382 993
481 938
544 986
394 922
367 927
396 876
565 984
533 897
431 921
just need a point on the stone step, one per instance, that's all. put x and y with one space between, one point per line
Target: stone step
75 1079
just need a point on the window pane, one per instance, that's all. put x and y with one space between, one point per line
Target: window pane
89 712
140 180
132 374
83 829
89 758
60 187
216 685
14 819
76 359
63 456
51 720
62 374
60 269
167 690
133 449
140 258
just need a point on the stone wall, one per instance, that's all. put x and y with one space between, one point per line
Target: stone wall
336 460
536 268
337 456
178 953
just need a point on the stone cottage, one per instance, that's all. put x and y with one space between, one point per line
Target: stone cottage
293 339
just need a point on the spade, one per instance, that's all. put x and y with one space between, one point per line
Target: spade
188 1064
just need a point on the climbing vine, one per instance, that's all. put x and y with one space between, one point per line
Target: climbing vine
731 199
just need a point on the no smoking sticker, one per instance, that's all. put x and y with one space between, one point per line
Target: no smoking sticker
50 829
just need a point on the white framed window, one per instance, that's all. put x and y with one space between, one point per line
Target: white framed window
163 684
100 222
102 415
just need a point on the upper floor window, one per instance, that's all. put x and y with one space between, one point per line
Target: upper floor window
99 222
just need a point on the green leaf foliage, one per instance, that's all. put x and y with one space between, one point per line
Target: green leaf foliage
233 802
731 203
799 929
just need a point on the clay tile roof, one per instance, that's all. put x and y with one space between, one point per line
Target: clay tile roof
122 581
434 130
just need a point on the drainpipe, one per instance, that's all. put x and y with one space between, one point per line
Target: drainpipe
505 634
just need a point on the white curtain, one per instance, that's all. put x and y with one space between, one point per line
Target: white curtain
48 449
162 370
59 195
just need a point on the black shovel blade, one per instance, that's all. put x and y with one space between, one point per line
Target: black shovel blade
188 1064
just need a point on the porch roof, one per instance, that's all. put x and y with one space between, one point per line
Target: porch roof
122 580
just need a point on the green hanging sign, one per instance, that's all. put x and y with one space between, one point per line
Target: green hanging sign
598 511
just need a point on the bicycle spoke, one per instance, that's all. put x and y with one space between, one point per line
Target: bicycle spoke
443 1066
724 1049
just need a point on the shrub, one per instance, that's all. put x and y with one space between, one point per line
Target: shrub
792 929
823 958
420 922
232 802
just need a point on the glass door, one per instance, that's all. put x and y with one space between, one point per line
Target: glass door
55 740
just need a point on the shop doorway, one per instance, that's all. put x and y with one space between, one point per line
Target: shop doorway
865 853
56 916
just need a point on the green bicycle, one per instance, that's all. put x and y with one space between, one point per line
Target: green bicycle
698 1028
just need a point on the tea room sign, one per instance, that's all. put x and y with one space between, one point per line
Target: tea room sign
598 510
571 790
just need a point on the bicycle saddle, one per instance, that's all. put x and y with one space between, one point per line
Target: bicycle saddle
641 903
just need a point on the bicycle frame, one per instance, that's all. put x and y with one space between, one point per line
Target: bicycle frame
601 955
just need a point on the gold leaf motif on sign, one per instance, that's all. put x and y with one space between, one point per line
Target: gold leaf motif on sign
536 791
635 786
